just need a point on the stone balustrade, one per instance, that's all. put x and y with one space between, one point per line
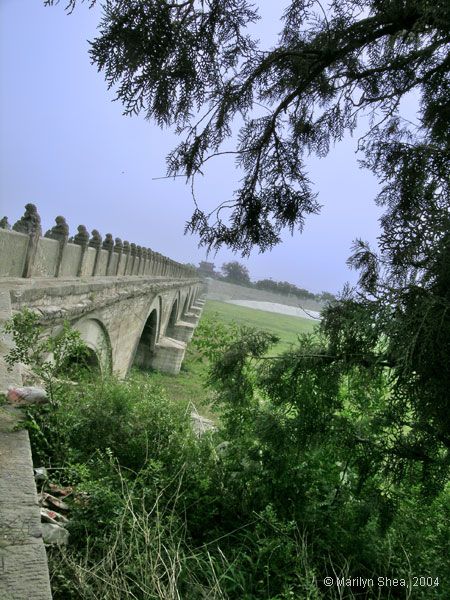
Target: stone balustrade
130 305
25 252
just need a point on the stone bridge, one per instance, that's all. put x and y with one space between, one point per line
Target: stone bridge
132 307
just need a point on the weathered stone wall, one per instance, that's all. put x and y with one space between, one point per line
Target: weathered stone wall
13 251
130 304
71 260
24 252
111 313
23 561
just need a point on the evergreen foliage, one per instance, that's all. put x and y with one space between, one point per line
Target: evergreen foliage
191 64
345 439
295 484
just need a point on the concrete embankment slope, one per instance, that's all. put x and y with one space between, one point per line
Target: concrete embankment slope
225 292
23 560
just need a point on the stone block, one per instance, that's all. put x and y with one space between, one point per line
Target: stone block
46 258
190 317
13 251
21 574
54 534
113 264
168 355
102 262
123 260
183 331
23 561
70 260
88 266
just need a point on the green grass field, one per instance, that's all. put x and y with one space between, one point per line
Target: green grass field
188 386
286 327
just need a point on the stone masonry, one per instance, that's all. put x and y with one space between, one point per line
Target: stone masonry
23 561
131 305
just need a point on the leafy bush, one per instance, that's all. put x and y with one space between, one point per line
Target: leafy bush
46 356
309 437
301 489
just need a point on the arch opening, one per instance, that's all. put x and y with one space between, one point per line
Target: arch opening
146 346
81 365
186 305
95 335
172 319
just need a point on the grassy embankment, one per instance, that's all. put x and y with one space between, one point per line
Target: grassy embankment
286 327
188 385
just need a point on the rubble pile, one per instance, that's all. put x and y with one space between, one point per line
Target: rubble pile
53 508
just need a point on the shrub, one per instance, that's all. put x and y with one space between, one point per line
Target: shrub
302 489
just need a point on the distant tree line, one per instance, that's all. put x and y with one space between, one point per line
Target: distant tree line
286 288
235 272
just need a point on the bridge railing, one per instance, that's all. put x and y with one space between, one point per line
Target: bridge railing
25 252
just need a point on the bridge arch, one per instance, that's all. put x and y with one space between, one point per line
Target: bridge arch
192 296
95 335
149 336
185 303
173 316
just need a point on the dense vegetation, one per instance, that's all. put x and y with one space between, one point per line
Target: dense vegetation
338 451
285 327
236 272
287 491
287 289
174 60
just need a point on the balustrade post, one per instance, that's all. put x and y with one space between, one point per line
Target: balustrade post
30 224
118 249
60 233
133 257
4 223
144 260
96 242
138 259
150 261
126 251
108 244
81 239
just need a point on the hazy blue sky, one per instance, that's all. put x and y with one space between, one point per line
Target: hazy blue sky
66 147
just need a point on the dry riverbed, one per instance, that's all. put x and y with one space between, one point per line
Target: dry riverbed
275 307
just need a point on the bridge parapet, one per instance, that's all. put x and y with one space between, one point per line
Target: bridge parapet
26 253
131 306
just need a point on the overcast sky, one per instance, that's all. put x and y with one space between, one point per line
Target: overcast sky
66 147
